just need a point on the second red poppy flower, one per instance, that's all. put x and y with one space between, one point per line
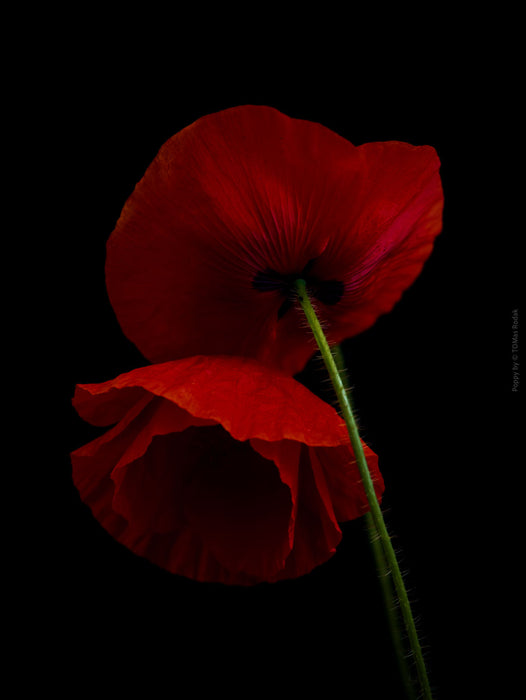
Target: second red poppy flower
219 469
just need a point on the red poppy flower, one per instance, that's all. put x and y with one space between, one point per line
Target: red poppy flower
219 469
239 204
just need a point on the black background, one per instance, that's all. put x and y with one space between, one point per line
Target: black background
432 379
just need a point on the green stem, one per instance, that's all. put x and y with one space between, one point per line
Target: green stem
390 606
375 510
382 568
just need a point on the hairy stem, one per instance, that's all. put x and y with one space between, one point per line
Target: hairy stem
374 506
382 568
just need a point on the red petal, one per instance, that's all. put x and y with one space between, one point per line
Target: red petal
381 248
316 533
245 397
111 404
286 456
127 444
149 476
94 461
344 484
141 503
239 506
248 189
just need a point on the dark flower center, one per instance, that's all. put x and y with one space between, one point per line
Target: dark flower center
327 291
